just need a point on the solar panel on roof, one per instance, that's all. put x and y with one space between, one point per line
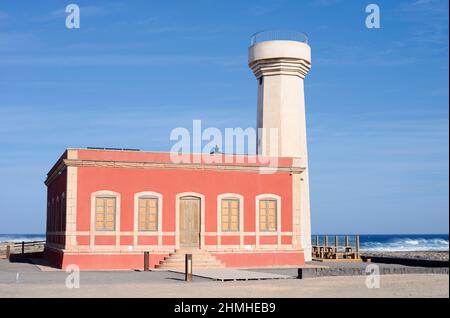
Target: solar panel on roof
110 148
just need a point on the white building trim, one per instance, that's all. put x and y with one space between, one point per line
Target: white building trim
220 197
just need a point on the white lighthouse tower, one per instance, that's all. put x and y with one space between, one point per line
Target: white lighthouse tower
280 61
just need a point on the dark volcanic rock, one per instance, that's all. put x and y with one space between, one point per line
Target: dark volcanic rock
420 255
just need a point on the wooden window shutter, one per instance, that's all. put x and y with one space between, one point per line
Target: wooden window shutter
230 215
105 214
268 215
148 214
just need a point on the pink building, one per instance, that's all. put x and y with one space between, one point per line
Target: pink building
107 207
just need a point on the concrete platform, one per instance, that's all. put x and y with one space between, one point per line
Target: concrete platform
229 274
326 269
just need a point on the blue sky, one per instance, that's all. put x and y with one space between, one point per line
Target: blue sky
377 99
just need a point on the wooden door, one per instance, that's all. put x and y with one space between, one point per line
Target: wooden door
189 222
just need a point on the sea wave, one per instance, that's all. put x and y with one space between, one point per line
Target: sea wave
406 245
21 237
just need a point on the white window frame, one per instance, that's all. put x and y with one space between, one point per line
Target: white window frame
136 231
93 231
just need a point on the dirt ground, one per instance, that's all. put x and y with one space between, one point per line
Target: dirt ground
27 280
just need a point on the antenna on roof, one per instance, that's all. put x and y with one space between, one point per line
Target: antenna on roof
215 150
117 149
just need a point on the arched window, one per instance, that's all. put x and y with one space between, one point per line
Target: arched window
148 214
148 206
105 213
267 215
105 210
48 218
268 212
52 216
57 215
62 213
230 212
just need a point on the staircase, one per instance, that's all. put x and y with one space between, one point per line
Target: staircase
200 259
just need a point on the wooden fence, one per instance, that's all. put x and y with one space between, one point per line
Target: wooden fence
326 250
24 247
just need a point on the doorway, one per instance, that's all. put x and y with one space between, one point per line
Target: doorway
189 222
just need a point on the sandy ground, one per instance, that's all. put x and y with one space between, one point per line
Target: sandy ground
391 286
27 280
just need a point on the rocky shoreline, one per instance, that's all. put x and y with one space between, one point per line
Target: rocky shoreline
418 255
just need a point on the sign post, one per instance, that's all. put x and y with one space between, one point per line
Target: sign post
146 261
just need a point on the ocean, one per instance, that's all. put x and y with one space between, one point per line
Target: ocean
380 243
21 237
394 242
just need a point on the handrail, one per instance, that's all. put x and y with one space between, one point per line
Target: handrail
274 35
27 243
9 248
325 249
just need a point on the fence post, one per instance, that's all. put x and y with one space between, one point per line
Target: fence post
23 248
346 241
8 251
357 247
336 246
146 261
188 268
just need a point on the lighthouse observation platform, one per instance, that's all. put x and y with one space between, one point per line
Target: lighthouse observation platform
279 53
278 35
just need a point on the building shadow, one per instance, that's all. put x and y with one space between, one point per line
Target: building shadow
34 258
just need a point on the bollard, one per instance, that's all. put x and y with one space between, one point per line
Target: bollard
23 248
357 247
8 251
188 268
146 261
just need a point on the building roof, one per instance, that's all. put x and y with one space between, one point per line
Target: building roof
130 158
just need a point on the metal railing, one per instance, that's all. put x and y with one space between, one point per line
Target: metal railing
273 35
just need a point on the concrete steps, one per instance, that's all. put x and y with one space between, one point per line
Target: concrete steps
200 259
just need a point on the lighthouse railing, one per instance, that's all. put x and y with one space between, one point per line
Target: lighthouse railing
274 35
